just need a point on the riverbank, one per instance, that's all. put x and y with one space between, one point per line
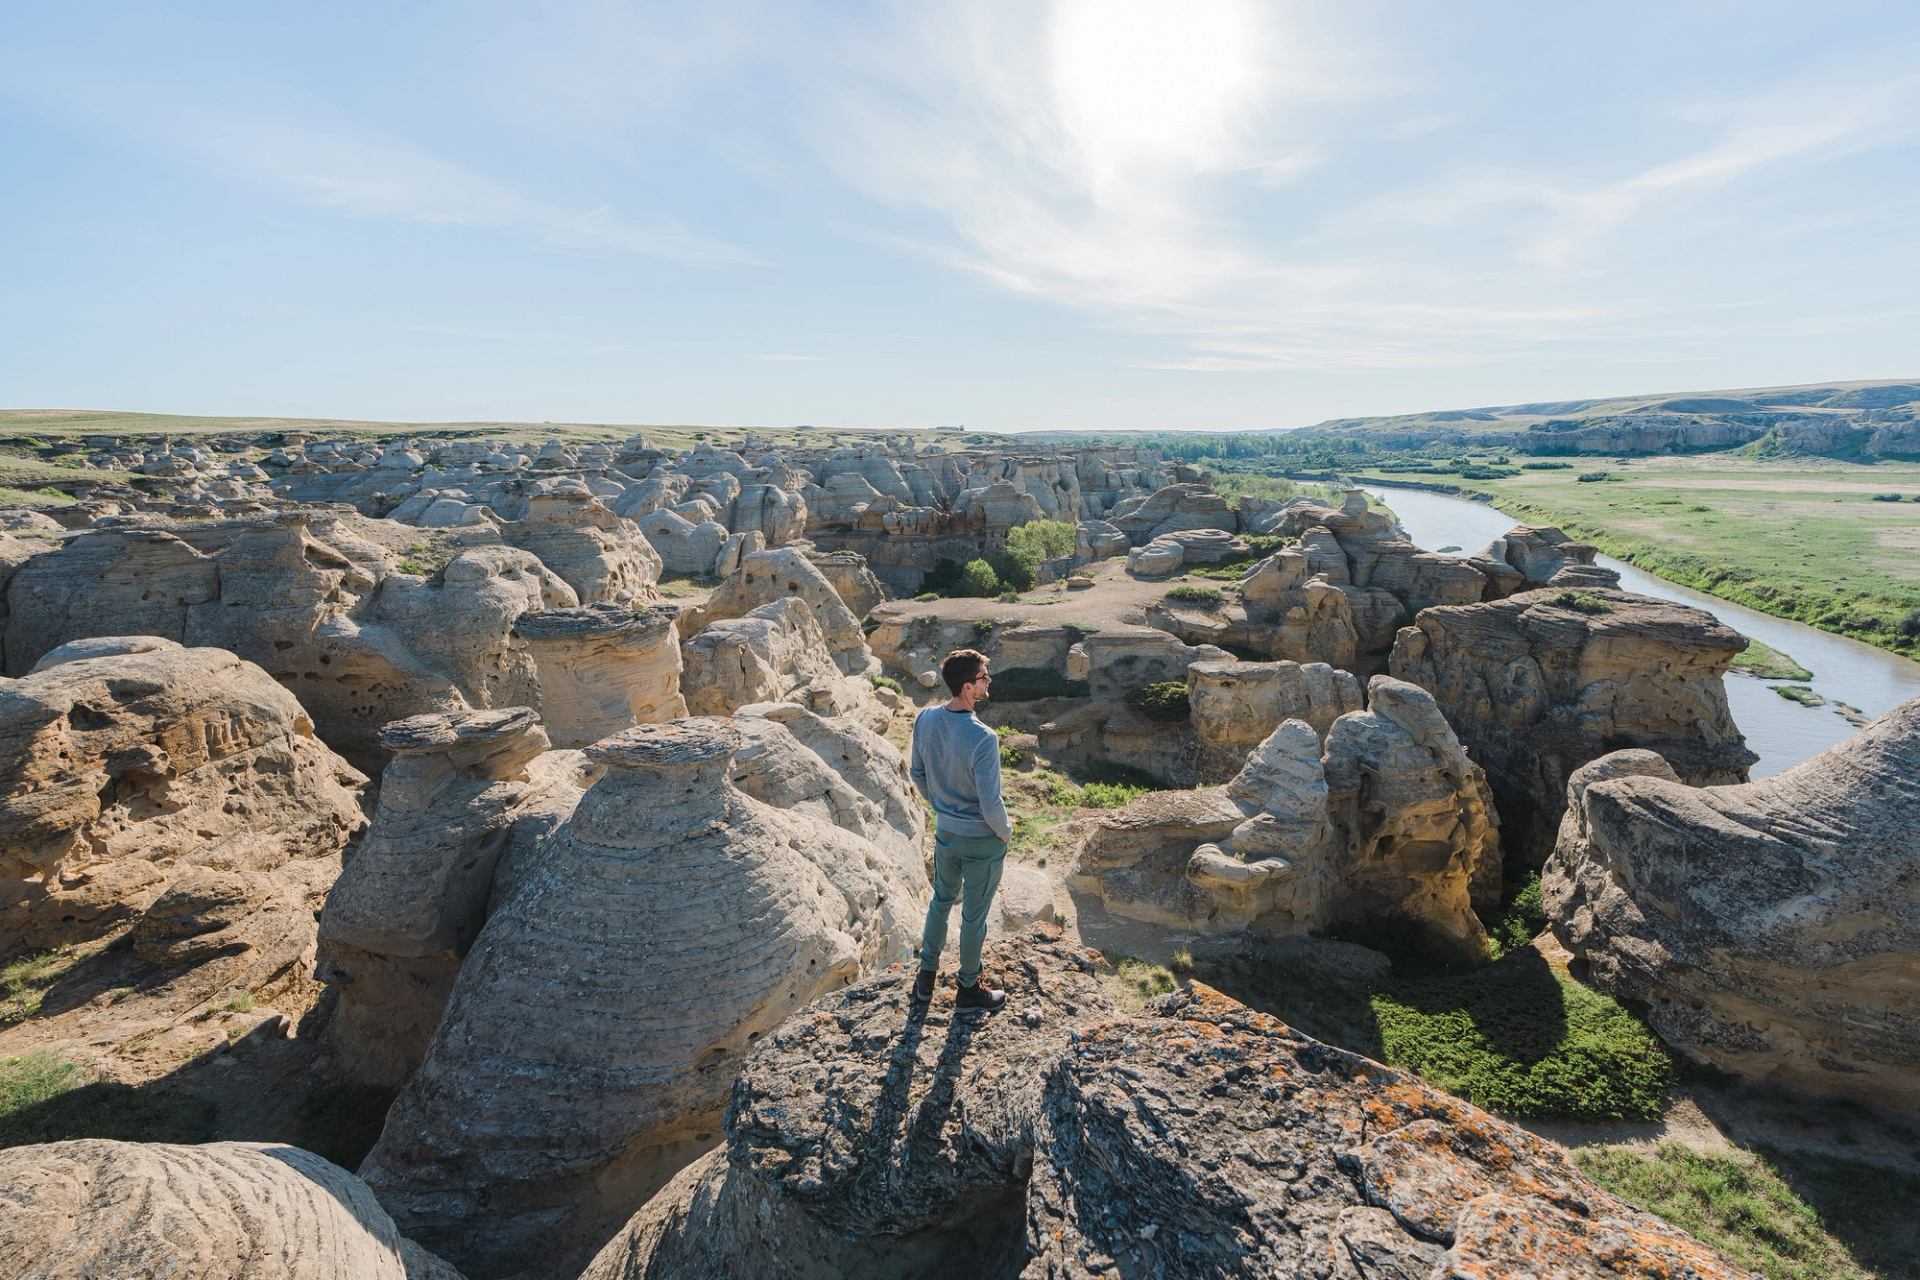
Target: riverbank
1809 540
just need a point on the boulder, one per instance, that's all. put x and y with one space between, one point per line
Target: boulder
124 773
593 1031
1770 928
604 668
1540 683
1058 1139
464 792
219 1211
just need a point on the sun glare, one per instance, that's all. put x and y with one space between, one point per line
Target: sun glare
1145 81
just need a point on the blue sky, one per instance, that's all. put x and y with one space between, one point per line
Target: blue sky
1081 214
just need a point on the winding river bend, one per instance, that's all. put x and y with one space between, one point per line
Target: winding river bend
1783 733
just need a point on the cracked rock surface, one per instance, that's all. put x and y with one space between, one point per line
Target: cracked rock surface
1057 1140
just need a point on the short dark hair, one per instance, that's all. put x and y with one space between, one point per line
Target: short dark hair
961 666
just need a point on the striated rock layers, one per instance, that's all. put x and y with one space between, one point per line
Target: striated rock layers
775 653
1236 705
1389 820
1058 1141
767 576
221 1211
594 1029
172 781
319 608
1772 928
468 794
604 668
1540 683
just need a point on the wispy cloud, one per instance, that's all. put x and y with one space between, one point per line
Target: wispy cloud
332 164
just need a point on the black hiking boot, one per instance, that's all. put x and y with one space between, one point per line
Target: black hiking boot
923 987
980 996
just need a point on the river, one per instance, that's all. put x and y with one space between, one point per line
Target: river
1781 732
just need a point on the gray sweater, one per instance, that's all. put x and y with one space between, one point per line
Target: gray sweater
956 765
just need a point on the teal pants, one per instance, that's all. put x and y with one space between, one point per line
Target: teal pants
966 869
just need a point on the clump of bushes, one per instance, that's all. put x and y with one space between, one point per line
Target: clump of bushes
1186 593
1886 497
979 579
1520 921
1592 477
925 596
888 682
1582 602
1164 700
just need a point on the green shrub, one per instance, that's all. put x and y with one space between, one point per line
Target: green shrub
927 595
1008 597
1520 921
1206 597
1030 543
888 682
1162 700
1909 625
1110 795
1582 602
982 630
1591 477
979 579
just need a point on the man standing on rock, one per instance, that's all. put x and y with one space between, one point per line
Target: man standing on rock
956 766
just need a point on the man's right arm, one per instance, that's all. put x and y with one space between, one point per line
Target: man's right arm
916 767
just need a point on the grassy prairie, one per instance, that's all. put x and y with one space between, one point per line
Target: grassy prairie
48 424
1808 539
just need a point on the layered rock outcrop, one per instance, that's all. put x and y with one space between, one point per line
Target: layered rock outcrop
768 576
221 1211
604 668
1540 683
594 1028
775 653
1235 706
1388 820
132 777
1772 928
467 795
1059 1140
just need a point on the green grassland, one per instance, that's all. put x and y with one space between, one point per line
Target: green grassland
1803 538
50 424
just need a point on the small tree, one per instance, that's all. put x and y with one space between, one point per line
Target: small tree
1030 543
980 579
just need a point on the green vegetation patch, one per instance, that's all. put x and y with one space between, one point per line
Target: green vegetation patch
1518 1037
1789 1216
1799 693
888 682
46 1099
1164 700
1769 663
24 982
1205 597
1582 602
1520 920
425 559
1523 1039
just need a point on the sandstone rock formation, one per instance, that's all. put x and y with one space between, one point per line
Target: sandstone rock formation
1540 683
603 557
221 1211
321 608
1772 928
604 668
1237 705
594 1028
1058 1140
775 653
465 792
1388 820
767 576
127 774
